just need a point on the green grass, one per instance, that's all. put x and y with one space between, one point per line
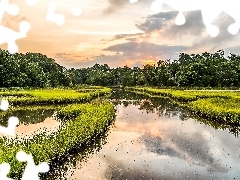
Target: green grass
52 96
81 124
186 96
217 109
222 106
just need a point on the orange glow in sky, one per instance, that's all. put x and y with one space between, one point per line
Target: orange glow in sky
113 32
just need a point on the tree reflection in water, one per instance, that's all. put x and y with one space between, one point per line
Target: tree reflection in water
164 107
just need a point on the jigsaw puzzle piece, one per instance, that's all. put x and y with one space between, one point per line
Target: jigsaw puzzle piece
9 36
51 16
157 5
232 9
180 19
12 121
4 105
10 130
12 9
30 2
31 171
209 13
208 16
76 11
133 1
4 170
234 28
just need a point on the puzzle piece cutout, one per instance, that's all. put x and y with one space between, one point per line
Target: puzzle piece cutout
30 2
51 16
4 170
210 11
76 11
7 35
12 121
59 18
133 1
10 8
31 171
10 129
4 105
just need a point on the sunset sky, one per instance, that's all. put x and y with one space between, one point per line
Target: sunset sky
116 32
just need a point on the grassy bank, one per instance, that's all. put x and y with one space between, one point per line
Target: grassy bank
221 106
52 96
186 95
217 109
81 124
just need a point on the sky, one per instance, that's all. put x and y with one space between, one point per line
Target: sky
116 32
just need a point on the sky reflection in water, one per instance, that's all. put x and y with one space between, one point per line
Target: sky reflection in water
32 122
157 144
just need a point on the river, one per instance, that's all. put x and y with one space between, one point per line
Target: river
154 139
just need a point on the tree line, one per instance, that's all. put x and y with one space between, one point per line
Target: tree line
190 70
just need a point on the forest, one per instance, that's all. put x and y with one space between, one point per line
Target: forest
189 70
78 110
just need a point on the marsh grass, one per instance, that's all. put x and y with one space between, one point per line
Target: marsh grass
52 96
218 109
82 122
221 106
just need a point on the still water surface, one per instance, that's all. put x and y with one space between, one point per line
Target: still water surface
151 138
31 122
154 139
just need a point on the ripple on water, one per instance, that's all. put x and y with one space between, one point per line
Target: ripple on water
32 122
159 140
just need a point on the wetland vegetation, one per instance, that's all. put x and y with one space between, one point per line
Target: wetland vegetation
78 105
204 70
150 137
221 106
80 123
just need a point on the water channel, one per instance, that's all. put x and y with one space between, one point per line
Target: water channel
152 138
155 139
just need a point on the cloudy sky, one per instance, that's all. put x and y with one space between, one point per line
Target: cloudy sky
116 32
